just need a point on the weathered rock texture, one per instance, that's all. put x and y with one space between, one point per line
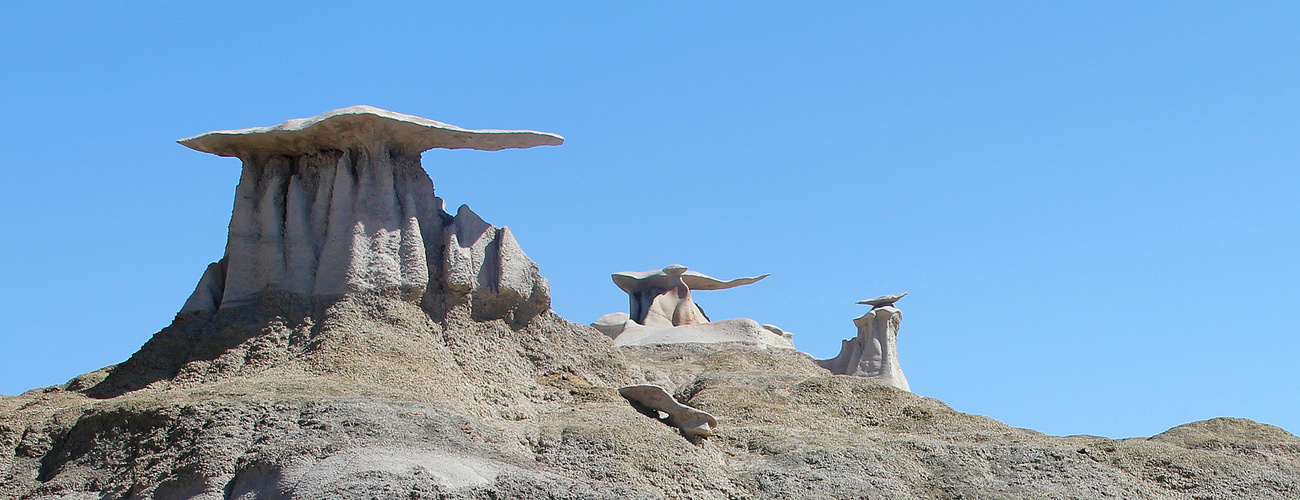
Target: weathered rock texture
318 398
883 300
365 392
339 203
740 330
656 403
674 283
412 411
873 353
664 312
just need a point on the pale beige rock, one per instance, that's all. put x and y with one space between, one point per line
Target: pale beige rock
339 203
663 312
207 294
362 126
651 399
644 287
741 330
485 263
873 354
674 307
306 474
883 300
611 324
777 330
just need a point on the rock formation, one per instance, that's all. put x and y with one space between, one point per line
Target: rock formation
339 203
873 353
335 226
360 379
653 400
883 300
663 297
662 311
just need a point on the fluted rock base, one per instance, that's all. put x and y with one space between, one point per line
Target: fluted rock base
873 353
340 204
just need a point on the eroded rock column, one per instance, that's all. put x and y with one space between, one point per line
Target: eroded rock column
340 203
873 353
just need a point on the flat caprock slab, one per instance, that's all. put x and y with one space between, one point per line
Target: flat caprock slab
362 125
883 300
632 281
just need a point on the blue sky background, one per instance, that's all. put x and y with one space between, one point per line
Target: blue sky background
1094 206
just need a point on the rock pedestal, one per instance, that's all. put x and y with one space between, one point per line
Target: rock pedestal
674 306
674 284
661 311
339 203
873 353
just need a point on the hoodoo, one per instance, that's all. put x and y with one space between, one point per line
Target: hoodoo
873 353
339 203
358 341
661 311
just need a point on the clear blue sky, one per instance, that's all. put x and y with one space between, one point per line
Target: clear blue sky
1094 206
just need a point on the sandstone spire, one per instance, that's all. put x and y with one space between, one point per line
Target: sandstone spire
339 203
873 353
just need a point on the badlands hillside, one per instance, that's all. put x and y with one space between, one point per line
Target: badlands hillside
358 341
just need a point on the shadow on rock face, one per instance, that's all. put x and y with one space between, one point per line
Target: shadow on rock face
279 322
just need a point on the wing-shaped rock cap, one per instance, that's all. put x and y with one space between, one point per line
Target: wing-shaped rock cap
633 282
883 300
361 125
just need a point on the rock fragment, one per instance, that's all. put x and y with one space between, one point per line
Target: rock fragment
651 399
663 311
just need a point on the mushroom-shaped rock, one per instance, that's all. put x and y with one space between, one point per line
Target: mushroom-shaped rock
663 312
643 288
674 307
652 399
339 203
873 353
